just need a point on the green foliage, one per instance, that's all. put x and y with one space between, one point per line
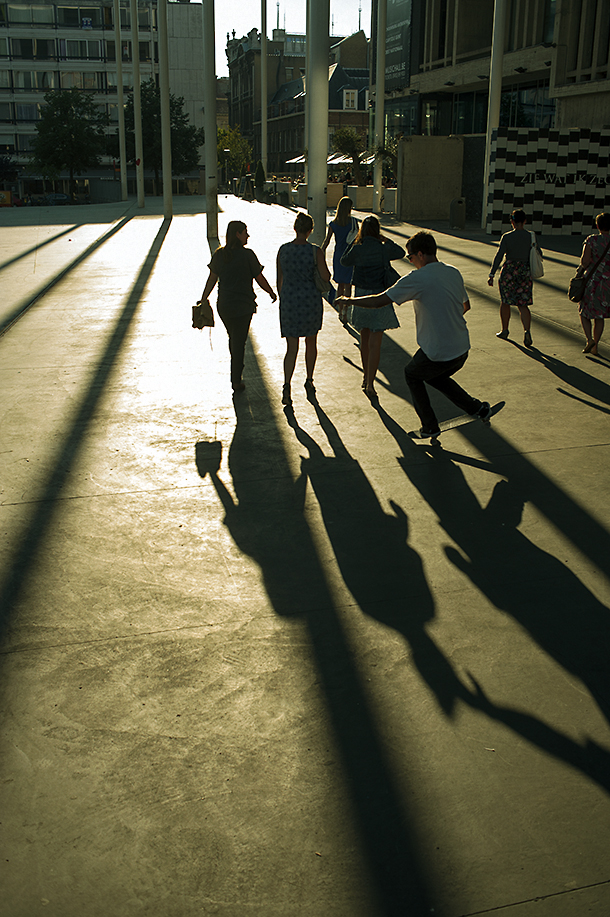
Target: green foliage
185 138
8 169
239 150
350 143
70 134
259 176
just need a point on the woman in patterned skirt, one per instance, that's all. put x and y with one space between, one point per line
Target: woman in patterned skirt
300 301
595 305
515 277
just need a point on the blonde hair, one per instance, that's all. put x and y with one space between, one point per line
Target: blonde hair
344 209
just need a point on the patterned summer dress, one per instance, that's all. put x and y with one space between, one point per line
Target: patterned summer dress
300 300
596 301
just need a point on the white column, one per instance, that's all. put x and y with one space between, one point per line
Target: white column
137 104
495 91
264 82
307 73
120 98
382 10
317 41
166 136
209 122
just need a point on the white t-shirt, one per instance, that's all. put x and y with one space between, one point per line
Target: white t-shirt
438 295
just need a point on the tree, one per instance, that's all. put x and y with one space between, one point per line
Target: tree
185 138
8 169
70 135
350 143
389 154
234 151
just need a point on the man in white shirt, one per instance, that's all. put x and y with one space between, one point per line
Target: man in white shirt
440 301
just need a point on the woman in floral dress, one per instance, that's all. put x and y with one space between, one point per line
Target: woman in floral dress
595 305
300 301
515 277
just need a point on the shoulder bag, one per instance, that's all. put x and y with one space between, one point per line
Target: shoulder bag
353 231
578 283
536 265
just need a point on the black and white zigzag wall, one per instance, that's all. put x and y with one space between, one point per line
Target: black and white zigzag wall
560 178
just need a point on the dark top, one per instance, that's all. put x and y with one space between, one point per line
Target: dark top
236 269
370 259
515 245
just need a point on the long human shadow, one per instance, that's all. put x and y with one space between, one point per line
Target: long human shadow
540 592
572 375
26 551
267 522
578 526
383 573
24 306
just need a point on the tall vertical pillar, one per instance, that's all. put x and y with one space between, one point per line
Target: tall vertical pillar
166 135
307 73
264 85
120 98
137 103
209 122
317 41
382 10
495 91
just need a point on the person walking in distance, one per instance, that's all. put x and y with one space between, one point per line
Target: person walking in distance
594 307
515 278
440 302
234 267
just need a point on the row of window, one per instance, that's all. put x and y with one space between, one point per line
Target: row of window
72 17
46 80
14 112
68 49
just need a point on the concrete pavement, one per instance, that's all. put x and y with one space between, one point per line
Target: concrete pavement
264 664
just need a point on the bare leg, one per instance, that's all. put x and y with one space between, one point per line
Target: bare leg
311 355
598 330
526 317
365 335
375 339
587 328
292 349
504 315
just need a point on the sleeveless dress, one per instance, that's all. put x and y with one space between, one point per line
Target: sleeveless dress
301 307
596 301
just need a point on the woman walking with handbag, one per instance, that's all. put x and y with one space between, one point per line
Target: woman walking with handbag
370 254
301 308
595 305
234 267
515 277
344 227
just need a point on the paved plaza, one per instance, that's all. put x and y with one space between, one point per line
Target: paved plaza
257 663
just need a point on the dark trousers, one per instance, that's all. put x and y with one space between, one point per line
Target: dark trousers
237 329
438 374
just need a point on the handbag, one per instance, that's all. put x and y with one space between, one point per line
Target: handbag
353 231
536 265
203 317
578 283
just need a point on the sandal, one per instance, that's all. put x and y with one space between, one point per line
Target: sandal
589 346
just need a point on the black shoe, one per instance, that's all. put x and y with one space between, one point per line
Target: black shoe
422 433
502 334
527 339
484 412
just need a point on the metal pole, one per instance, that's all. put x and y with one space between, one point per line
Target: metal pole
317 41
307 87
264 88
120 97
137 103
166 135
382 10
495 92
209 122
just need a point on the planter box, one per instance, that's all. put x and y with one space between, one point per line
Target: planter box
364 197
334 193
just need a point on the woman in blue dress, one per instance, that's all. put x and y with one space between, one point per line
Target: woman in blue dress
370 257
300 301
340 227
